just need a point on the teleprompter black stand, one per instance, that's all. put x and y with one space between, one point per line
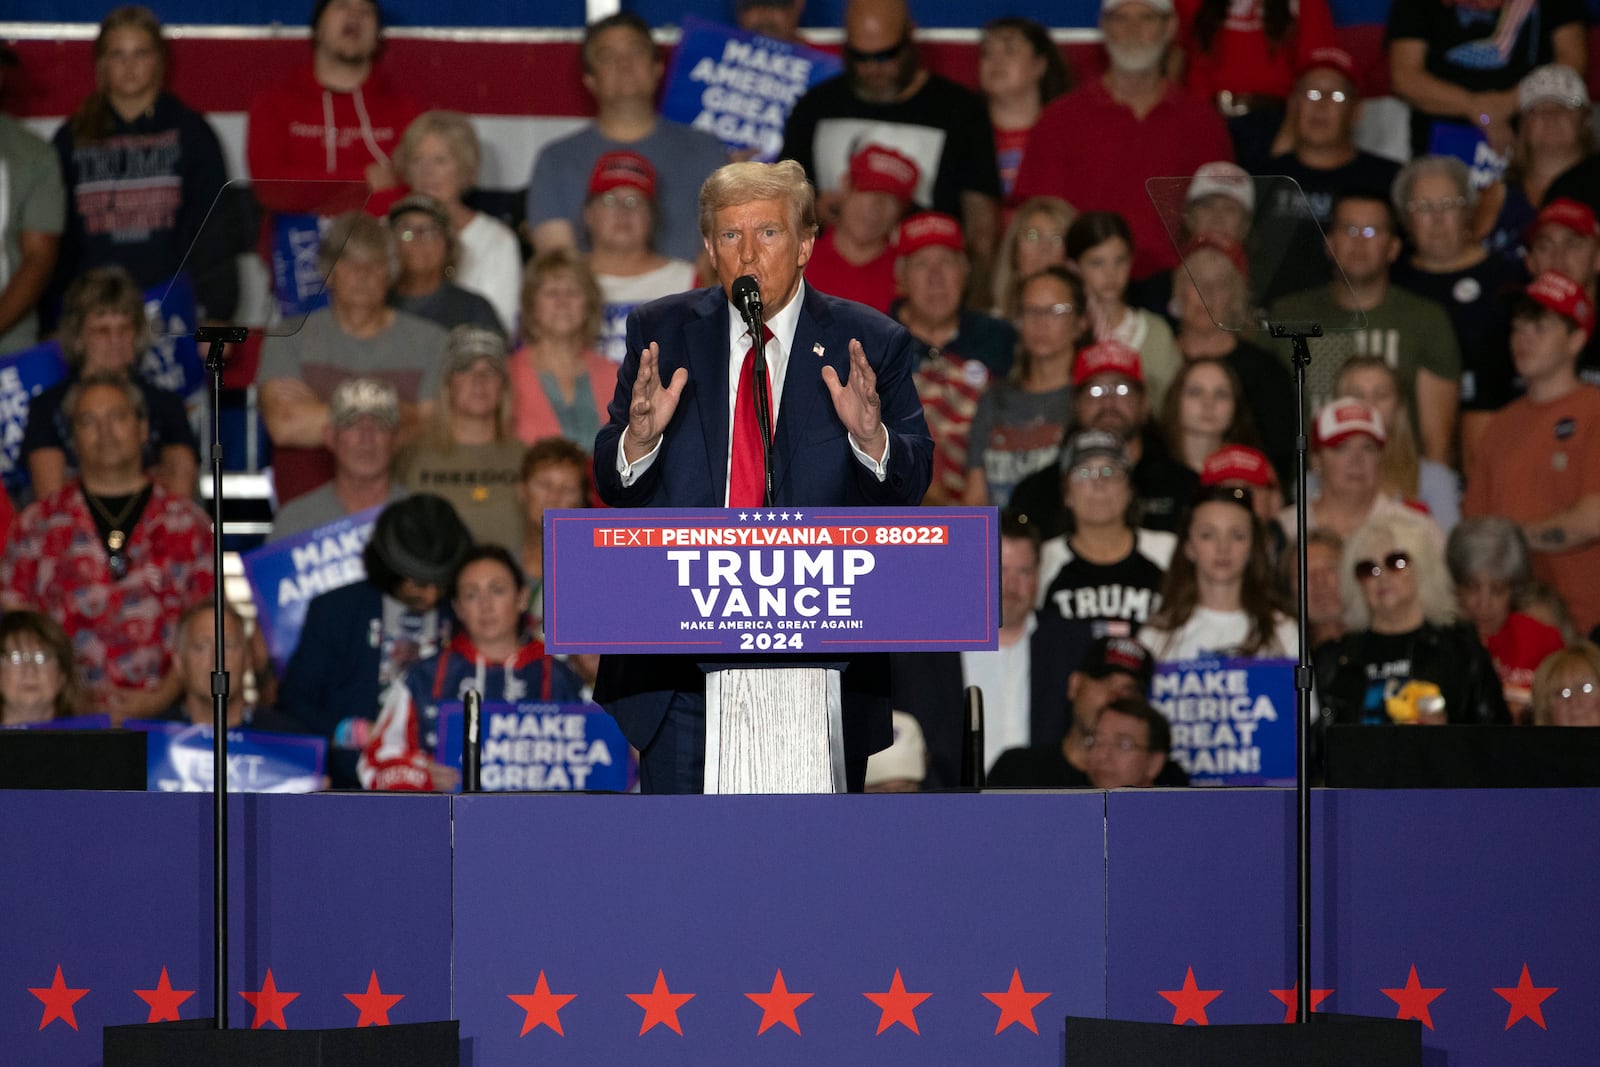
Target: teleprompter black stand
209 1042
1319 1040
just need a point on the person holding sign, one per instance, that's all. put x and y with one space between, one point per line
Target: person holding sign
492 655
1405 658
38 678
358 638
1217 599
847 425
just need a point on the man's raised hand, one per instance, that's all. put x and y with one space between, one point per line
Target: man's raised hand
857 403
651 406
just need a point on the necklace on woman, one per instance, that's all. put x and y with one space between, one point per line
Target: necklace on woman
117 537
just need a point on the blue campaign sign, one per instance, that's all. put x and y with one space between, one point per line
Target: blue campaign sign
296 279
285 575
1232 719
715 581
740 87
180 759
1468 144
173 362
562 747
23 376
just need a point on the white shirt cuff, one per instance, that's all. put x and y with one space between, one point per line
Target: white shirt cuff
879 467
630 472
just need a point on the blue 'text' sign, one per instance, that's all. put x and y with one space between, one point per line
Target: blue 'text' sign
725 581
1232 719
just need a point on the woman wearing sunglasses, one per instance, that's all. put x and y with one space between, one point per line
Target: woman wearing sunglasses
1404 658
1217 598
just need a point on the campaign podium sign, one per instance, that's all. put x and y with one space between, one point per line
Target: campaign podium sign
1232 719
772 602
771 582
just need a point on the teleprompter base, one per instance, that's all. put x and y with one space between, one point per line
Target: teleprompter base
1327 1041
197 1043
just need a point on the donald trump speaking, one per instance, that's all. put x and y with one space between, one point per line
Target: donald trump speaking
847 430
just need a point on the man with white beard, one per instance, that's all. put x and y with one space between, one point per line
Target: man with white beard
1095 146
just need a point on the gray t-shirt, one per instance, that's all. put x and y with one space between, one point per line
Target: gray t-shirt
32 200
408 355
316 508
683 157
1015 433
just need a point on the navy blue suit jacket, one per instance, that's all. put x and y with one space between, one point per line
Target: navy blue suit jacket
813 466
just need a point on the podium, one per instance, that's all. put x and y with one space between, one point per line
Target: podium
771 604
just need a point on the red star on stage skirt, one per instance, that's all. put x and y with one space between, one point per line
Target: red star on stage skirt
1413 999
661 1005
1189 1003
58 1001
1291 1000
164 1001
541 1007
778 1005
1016 1004
268 1003
1526 1000
897 1006
374 1004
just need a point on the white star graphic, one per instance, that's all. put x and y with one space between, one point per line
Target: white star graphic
771 515
744 516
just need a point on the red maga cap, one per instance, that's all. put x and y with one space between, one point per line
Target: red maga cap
876 169
1556 292
1237 463
1107 357
1567 213
930 229
617 169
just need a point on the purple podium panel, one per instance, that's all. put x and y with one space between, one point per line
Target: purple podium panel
717 582
107 898
1428 904
654 930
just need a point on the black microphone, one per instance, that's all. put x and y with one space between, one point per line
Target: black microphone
747 298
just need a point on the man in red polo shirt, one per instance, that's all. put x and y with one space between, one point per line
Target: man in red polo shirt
1153 126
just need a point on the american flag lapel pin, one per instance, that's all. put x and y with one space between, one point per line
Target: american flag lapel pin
817 349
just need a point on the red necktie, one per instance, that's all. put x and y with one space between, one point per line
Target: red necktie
747 478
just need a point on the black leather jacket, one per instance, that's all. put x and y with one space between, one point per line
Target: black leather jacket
1451 657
